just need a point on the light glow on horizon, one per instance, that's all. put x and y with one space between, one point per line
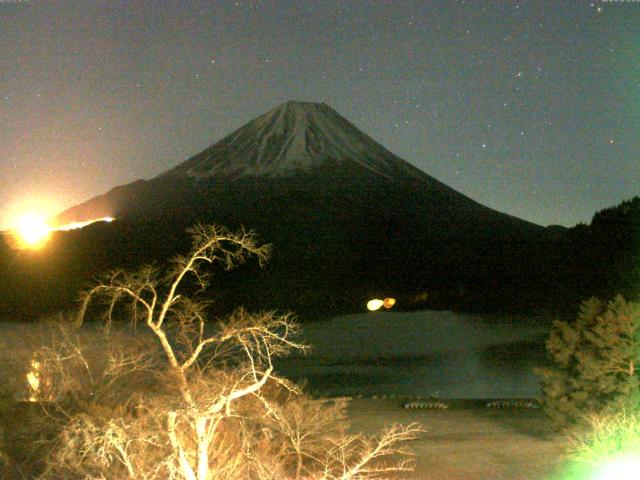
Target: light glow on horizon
31 230
76 225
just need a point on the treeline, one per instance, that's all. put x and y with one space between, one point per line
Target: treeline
524 273
601 259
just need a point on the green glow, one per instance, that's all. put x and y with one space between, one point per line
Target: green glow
622 468
610 450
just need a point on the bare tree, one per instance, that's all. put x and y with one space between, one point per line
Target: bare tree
217 410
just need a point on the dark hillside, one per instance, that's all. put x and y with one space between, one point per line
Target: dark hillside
348 221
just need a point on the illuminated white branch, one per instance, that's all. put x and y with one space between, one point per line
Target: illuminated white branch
218 408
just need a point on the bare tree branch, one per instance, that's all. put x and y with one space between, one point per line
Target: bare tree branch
217 410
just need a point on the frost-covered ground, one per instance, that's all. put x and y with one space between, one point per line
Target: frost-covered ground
426 353
471 443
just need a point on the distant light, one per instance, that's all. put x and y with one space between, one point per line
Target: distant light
375 304
76 225
33 378
32 230
388 302
621 468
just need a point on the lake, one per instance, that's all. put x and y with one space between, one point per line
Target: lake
427 354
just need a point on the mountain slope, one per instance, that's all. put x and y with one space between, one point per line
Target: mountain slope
348 219
307 146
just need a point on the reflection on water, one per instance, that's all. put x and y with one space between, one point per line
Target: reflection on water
438 354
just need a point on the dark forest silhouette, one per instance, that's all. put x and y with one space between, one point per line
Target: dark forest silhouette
555 271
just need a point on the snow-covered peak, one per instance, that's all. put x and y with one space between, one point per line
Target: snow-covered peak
293 137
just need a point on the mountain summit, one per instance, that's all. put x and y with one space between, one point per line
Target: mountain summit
292 138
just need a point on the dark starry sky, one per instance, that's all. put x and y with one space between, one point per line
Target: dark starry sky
529 107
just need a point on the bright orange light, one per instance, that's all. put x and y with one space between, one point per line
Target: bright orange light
389 302
32 230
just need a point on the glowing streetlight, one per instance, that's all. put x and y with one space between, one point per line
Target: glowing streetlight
375 304
388 302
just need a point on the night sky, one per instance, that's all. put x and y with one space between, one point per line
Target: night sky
529 107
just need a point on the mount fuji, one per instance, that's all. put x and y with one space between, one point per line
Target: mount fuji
348 220
297 144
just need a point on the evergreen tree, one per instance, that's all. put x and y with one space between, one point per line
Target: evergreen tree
595 361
